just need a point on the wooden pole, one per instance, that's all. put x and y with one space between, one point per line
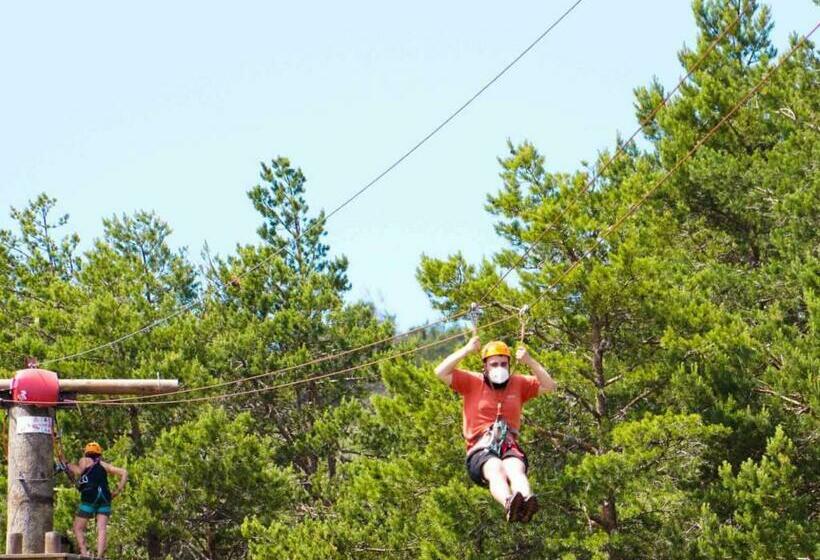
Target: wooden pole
30 511
30 477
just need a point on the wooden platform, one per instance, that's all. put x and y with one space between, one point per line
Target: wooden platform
53 555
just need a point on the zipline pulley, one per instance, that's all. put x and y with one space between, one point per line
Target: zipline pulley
475 314
522 318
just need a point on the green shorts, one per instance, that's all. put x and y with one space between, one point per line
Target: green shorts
90 510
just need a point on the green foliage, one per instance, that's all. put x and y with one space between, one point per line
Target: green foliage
287 227
287 307
62 304
201 479
761 511
685 346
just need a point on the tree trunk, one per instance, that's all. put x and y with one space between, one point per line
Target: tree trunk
153 544
609 514
331 464
598 348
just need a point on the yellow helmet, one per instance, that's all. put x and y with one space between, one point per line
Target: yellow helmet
495 348
93 447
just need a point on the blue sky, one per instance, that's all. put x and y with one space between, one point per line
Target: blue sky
169 107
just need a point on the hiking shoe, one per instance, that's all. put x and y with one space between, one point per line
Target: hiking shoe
513 507
528 508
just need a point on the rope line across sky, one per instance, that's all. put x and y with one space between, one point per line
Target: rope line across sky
600 239
462 313
346 202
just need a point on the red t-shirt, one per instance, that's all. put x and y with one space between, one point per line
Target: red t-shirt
481 401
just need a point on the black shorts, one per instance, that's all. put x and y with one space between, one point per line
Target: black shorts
476 459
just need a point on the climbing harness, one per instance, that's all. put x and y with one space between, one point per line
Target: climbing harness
498 433
497 439
87 482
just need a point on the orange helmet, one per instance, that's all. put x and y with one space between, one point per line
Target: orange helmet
495 348
93 447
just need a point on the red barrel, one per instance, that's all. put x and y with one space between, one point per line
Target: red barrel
39 387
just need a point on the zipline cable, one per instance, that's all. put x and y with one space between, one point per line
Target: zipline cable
345 203
473 309
634 207
597 173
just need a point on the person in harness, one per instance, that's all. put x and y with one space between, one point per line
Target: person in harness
493 401
91 476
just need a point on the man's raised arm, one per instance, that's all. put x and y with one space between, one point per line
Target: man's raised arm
444 370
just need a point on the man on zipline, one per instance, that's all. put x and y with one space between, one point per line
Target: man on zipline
492 418
91 474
